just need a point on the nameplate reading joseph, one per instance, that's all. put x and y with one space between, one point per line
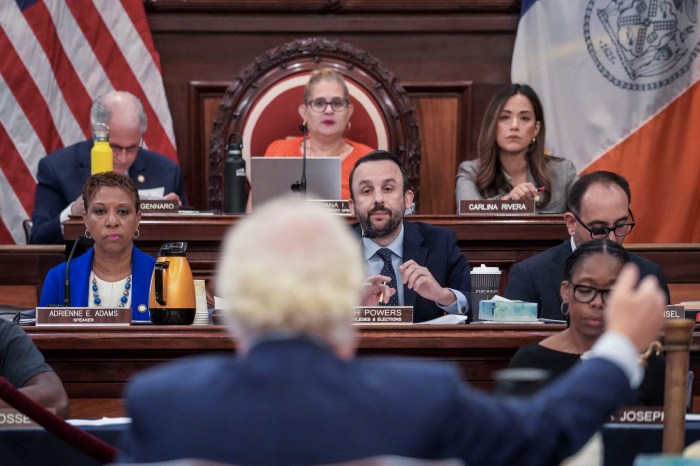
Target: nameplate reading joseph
120 316
481 207
383 315
638 415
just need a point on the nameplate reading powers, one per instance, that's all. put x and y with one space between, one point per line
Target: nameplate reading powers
482 207
96 316
383 315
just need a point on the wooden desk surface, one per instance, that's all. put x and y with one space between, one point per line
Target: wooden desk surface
94 364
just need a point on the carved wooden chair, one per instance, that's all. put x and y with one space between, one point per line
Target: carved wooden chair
261 105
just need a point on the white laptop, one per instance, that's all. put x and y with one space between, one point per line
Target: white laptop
271 177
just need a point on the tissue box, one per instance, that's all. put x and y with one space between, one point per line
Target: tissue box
507 311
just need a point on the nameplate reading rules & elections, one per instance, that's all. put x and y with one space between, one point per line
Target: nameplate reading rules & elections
383 315
97 316
481 207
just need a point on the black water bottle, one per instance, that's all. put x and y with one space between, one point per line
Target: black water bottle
235 189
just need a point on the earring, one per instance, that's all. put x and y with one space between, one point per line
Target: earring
534 140
564 311
137 234
87 233
348 126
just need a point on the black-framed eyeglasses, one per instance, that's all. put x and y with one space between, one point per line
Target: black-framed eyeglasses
130 149
620 231
585 294
319 105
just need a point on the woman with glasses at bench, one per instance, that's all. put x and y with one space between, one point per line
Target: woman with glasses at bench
325 113
589 276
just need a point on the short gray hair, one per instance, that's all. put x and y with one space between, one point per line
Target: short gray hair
291 267
101 110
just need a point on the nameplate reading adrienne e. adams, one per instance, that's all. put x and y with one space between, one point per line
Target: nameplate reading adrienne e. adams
481 207
383 315
99 316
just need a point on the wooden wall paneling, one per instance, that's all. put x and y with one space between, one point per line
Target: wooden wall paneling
336 6
213 41
443 112
204 100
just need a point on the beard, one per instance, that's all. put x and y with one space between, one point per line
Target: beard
371 230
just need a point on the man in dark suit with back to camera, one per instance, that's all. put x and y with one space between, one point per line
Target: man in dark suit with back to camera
433 272
599 207
291 274
62 174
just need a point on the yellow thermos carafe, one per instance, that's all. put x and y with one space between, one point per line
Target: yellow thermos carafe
171 301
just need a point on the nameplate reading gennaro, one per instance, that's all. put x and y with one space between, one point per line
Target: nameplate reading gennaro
160 206
638 415
383 315
97 316
482 207
336 207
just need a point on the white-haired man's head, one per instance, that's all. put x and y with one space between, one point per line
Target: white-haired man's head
291 267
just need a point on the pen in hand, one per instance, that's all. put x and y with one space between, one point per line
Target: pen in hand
381 295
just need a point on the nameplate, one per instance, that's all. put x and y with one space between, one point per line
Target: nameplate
10 418
638 415
160 206
97 316
481 207
674 311
335 206
383 315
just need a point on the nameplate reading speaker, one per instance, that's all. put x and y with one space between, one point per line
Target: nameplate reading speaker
160 207
335 207
482 207
97 316
383 315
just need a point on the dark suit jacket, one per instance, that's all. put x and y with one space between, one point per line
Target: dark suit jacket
436 249
62 174
291 402
538 279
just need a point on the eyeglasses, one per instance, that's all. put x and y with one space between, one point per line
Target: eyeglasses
586 294
131 149
620 231
319 105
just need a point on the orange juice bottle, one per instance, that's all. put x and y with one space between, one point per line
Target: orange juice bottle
101 156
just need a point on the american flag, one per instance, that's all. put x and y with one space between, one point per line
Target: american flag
56 56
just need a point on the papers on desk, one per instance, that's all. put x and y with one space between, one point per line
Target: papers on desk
105 421
448 319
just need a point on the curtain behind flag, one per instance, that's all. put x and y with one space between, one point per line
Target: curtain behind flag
619 83
57 56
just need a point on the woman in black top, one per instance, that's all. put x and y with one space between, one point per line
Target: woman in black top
589 275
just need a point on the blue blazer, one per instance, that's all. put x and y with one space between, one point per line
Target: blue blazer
436 249
291 402
142 268
62 174
538 279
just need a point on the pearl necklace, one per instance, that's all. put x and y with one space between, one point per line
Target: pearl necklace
96 291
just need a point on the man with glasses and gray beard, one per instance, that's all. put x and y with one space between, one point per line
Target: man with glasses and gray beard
62 174
599 207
